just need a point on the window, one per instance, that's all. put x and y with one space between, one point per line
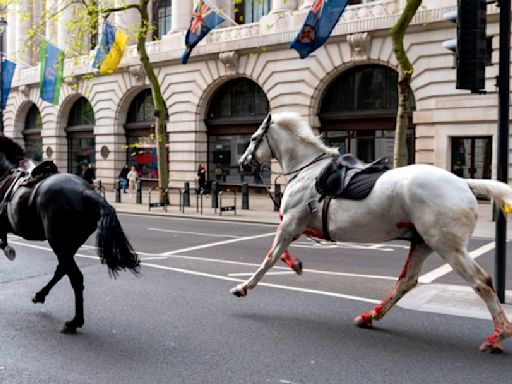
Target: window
32 134
251 11
162 17
80 132
236 111
140 136
472 157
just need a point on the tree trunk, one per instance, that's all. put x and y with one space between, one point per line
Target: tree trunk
405 71
158 101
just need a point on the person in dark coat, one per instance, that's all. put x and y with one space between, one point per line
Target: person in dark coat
89 174
201 175
123 175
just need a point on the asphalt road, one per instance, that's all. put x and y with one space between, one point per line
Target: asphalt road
179 324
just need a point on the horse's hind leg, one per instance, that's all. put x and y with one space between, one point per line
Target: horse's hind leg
77 282
40 296
406 281
481 282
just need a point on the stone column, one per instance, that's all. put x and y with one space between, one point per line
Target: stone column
281 18
283 5
306 4
64 25
11 32
181 14
51 24
129 20
23 24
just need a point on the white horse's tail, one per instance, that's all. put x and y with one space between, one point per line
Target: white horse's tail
500 192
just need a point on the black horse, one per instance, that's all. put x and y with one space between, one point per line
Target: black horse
63 209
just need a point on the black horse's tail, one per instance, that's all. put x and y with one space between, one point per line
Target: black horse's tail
114 249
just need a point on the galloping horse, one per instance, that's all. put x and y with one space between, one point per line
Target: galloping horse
64 210
429 206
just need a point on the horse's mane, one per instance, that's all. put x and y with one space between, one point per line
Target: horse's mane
299 126
12 151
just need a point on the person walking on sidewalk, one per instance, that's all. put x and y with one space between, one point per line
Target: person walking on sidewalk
123 176
89 174
201 175
132 179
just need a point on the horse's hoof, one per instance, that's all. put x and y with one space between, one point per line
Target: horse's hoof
10 252
239 292
364 321
297 267
36 299
70 327
495 347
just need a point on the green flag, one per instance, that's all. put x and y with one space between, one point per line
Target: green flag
52 72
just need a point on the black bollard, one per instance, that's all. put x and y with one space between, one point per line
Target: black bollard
215 195
138 192
186 194
245 196
117 188
277 197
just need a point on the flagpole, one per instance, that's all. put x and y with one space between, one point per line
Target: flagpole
223 14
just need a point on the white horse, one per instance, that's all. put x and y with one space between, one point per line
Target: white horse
432 207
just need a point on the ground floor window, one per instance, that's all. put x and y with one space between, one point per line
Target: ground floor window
223 155
142 153
81 153
34 148
369 145
472 157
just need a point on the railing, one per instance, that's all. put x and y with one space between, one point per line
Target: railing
199 200
98 187
180 193
226 208
159 204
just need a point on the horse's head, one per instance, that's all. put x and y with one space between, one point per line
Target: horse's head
258 152
11 154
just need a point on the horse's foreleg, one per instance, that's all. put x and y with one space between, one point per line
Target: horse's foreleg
292 262
77 282
281 243
406 281
40 296
9 251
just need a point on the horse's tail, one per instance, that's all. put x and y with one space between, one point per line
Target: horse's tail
500 192
114 249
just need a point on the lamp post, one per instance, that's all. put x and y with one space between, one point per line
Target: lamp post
3 26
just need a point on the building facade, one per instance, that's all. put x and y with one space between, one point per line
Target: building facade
240 72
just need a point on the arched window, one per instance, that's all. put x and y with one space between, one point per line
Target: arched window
80 133
358 112
140 136
236 110
162 17
32 134
251 11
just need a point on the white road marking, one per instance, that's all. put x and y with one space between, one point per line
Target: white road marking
192 233
209 245
210 220
435 274
266 274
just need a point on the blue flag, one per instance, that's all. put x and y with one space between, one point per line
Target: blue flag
204 19
8 68
321 20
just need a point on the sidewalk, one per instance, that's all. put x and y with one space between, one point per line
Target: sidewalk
261 211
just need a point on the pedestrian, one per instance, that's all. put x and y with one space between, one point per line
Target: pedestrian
89 174
218 172
201 175
123 176
132 179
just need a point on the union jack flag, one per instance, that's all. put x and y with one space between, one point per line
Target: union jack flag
319 23
204 19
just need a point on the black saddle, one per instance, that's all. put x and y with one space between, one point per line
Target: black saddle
347 177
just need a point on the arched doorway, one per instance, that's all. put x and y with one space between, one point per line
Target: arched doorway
80 134
236 111
32 134
140 136
358 113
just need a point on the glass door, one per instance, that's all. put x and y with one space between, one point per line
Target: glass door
472 157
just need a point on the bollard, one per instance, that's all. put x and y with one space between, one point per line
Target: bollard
277 197
245 196
186 194
215 195
138 192
117 187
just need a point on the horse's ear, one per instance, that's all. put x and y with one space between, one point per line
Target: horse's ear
11 150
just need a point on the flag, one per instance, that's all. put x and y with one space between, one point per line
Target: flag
8 68
204 19
52 72
321 19
110 50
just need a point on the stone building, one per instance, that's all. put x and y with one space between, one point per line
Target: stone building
346 89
